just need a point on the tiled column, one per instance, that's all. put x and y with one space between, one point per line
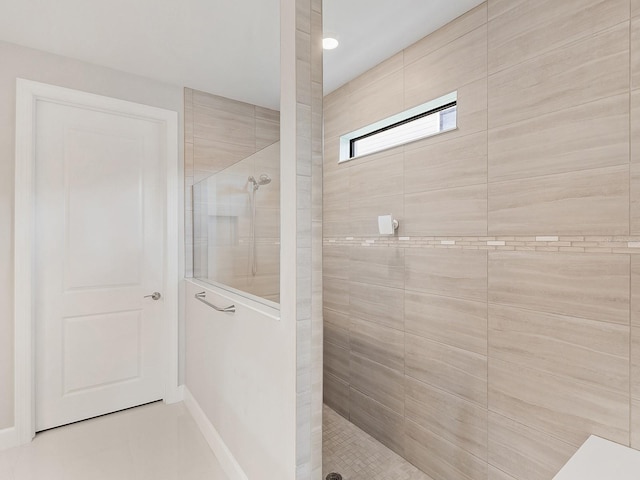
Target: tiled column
301 117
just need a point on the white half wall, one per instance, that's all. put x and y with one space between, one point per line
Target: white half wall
240 369
229 464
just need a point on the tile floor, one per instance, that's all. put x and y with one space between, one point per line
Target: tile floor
162 442
356 455
155 441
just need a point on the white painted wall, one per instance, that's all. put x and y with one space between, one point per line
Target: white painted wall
245 369
240 369
22 62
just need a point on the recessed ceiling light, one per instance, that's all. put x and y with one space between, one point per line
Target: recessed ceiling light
329 43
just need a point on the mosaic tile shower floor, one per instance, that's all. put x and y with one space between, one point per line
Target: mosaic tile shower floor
356 455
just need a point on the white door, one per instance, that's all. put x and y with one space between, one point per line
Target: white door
99 250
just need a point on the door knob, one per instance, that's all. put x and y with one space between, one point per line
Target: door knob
154 295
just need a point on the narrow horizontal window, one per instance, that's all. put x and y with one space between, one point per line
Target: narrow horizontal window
419 122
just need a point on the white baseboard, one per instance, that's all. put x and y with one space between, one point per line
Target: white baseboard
225 457
8 438
175 395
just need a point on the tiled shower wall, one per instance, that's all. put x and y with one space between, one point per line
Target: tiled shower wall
219 132
501 326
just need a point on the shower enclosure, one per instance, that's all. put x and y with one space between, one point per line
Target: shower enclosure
236 223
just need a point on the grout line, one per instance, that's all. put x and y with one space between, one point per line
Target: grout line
487 254
564 45
547 175
534 428
440 388
630 229
559 110
457 37
630 349
630 132
404 270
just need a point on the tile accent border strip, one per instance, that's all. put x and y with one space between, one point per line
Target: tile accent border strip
539 243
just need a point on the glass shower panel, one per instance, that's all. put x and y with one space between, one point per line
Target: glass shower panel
236 223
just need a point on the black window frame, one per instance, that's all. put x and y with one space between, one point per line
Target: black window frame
353 141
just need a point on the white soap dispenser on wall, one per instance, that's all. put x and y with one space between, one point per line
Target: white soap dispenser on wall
387 225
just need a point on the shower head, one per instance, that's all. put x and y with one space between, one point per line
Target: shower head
263 179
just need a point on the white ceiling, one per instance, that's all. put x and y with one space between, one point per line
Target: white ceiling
370 31
226 47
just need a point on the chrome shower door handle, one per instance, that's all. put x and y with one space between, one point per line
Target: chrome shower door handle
154 295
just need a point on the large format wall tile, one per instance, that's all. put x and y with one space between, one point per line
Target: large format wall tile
592 68
635 328
452 273
336 394
335 223
461 26
336 294
497 474
336 328
448 416
335 261
453 321
378 304
472 108
364 211
453 211
635 7
458 63
524 453
267 127
635 423
338 115
383 384
378 100
500 7
222 104
336 361
635 53
380 175
586 350
440 458
587 286
635 361
383 69
566 409
211 155
188 115
335 189
378 343
377 420
233 124
586 202
588 136
377 265
456 371
635 291
550 24
451 163
635 163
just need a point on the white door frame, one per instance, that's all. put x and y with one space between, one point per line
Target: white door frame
27 94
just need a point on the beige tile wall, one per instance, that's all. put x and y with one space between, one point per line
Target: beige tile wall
219 132
501 326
